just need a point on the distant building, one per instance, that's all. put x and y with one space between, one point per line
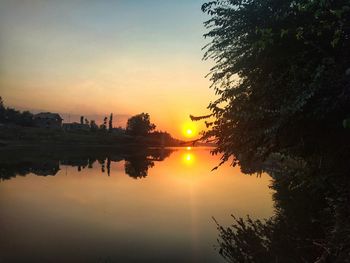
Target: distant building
74 126
48 120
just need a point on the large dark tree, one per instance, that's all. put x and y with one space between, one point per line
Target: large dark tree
282 74
140 125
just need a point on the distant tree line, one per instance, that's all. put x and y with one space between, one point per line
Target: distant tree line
139 125
10 115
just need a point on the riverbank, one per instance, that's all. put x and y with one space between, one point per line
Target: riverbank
17 136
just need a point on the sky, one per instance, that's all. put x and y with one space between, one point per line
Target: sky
92 58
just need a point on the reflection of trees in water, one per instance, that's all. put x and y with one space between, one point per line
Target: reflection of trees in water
311 222
41 163
49 167
22 168
136 166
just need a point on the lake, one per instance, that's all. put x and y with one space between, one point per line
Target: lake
140 206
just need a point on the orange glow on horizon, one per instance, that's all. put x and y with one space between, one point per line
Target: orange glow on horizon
93 76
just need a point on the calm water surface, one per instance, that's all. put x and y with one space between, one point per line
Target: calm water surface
132 208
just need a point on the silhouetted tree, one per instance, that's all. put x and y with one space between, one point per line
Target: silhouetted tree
26 118
110 123
10 115
81 119
140 125
93 126
86 121
2 110
103 126
282 74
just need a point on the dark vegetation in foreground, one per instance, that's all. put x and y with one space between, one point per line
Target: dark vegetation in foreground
282 74
311 221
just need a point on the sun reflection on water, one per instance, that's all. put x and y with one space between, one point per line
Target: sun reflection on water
188 156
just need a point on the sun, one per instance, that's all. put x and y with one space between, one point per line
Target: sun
189 130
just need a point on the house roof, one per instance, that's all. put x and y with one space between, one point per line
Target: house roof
48 115
76 124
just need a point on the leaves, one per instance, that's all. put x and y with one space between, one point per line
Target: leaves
279 74
140 124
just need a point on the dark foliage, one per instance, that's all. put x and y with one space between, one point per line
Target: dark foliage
282 75
110 123
103 126
140 125
12 116
311 221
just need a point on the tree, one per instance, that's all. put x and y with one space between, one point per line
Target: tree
2 110
110 123
311 221
10 115
140 125
93 126
26 118
103 126
282 74
81 119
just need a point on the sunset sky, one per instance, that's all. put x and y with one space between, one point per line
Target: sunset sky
95 57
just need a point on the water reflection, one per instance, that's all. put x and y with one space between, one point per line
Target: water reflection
83 215
188 158
311 221
137 166
86 198
42 163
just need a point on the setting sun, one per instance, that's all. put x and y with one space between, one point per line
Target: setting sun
186 131
189 129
